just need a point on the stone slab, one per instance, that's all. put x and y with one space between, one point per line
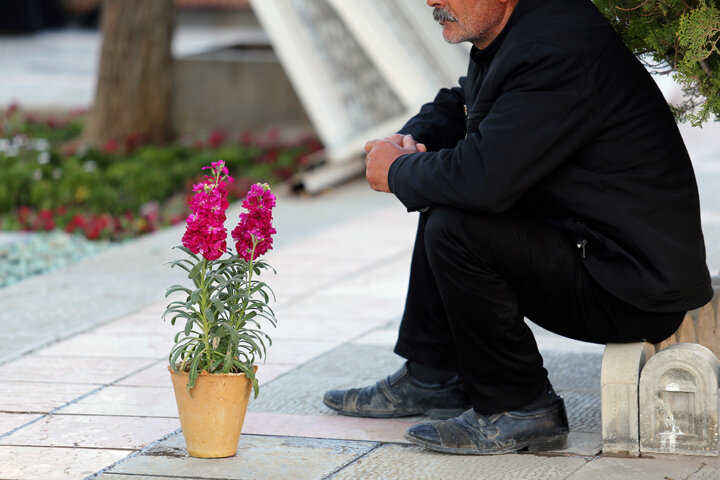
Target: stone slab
661 468
397 462
380 337
156 375
298 351
92 432
584 444
258 457
300 391
36 397
138 345
11 421
583 410
711 471
132 401
120 476
45 463
328 426
70 369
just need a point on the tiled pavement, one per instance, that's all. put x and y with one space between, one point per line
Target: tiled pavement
100 402
84 388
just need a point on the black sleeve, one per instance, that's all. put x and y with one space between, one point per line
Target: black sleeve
542 114
441 123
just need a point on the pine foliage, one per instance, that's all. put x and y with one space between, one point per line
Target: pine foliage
678 36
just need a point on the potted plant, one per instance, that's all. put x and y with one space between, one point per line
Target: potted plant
215 356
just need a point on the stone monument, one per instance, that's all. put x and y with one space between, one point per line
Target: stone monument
361 68
679 399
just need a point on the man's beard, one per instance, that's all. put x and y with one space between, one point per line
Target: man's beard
442 15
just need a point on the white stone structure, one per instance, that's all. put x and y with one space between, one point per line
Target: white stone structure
361 68
679 399
620 378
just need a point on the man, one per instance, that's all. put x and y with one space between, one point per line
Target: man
553 185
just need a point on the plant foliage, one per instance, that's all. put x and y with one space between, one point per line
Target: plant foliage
680 36
222 314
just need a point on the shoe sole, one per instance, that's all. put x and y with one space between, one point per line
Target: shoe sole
540 444
435 413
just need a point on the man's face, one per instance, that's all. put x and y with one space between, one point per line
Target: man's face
472 21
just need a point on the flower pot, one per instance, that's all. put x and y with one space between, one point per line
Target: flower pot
212 414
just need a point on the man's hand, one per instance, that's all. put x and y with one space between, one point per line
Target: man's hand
380 154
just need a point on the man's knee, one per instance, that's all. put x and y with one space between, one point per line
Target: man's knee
443 229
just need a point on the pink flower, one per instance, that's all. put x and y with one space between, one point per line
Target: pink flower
253 234
205 233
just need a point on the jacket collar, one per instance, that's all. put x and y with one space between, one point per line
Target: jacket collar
487 53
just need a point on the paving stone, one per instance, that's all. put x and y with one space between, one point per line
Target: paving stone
391 462
36 397
258 457
11 421
384 338
120 476
662 468
297 351
583 410
583 443
300 391
620 383
679 401
133 401
156 375
70 369
710 471
574 371
292 326
134 345
44 463
328 426
92 431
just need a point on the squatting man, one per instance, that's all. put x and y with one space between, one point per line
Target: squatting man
553 185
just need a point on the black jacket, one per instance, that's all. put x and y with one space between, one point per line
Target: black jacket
557 119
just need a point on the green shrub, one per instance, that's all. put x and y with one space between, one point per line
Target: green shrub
46 182
682 36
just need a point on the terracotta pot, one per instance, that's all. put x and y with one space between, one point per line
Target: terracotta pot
212 418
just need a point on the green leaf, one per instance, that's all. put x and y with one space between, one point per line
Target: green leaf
194 297
182 247
176 288
196 270
193 373
189 325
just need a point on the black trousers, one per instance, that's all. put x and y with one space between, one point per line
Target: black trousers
473 279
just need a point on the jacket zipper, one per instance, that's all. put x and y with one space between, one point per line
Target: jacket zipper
581 246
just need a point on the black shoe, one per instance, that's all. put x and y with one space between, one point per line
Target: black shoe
401 395
544 428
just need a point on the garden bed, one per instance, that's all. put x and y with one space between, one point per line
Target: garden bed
124 188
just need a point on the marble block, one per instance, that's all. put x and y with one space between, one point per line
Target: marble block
679 401
619 379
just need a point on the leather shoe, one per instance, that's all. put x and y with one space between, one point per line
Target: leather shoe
540 429
401 395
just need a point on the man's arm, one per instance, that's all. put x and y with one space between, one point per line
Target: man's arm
381 153
544 113
440 123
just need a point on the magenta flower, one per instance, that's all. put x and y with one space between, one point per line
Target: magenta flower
253 234
206 233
